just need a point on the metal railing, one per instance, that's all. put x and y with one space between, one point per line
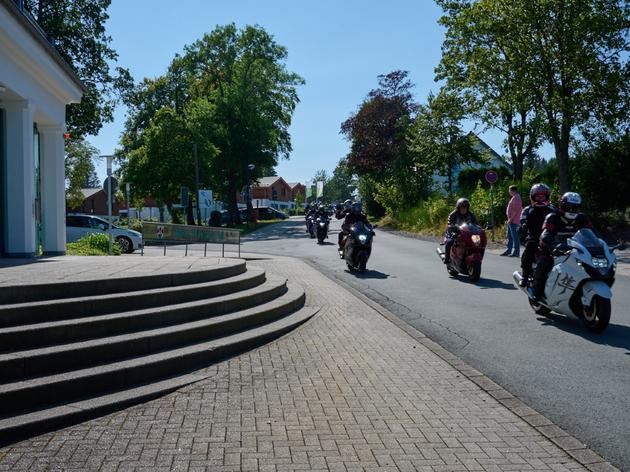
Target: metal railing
171 234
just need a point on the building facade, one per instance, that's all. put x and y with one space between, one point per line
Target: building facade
35 87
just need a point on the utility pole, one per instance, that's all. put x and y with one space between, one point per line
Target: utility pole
194 147
109 202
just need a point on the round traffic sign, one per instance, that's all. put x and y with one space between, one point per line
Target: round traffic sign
492 177
114 185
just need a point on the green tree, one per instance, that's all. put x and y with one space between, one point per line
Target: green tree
164 161
574 61
243 74
342 185
480 62
80 171
77 28
438 140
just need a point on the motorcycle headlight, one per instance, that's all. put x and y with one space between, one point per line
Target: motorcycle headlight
476 239
362 238
600 263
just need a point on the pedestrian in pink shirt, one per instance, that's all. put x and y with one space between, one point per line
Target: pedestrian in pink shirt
513 213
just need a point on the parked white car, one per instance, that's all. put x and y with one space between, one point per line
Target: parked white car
78 226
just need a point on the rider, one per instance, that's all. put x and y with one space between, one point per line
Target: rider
354 216
340 213
321 212
532 219
459 216
557 228
308 212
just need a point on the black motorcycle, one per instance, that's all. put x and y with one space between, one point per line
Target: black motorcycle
322 223
358 247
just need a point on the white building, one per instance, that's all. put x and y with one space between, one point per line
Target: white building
35 86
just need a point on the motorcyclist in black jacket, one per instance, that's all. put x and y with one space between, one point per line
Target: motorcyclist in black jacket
532 219
557 228
340 213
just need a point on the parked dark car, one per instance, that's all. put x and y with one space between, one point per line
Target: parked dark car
268 213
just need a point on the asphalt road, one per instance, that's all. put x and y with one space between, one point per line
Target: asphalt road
579 380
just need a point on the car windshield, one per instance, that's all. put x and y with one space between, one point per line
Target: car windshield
587 238
97 222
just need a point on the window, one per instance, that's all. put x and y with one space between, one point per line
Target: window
77 222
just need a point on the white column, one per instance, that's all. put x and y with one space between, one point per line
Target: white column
20 181
52 173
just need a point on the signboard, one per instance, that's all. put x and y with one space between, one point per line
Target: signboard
492 177
191 234
320 188
114 185
205 198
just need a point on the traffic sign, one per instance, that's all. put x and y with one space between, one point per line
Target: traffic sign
492 177
114 185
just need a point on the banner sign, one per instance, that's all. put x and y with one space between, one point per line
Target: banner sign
320 188
191 234
205 198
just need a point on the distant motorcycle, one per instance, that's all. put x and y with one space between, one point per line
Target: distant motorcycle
322 223
358 247
580 282
467 252
310 226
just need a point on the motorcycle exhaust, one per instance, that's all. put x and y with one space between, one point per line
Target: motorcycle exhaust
517 276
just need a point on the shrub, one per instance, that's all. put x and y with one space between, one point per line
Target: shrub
94 244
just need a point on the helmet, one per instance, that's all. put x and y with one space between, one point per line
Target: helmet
321 207
540 189
570 204
357 208
307 207
347 204
462 202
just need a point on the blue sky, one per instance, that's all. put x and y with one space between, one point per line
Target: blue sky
338 47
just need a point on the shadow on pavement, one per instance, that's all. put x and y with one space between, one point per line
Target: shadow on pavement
287 230
614 336
493 283
369 274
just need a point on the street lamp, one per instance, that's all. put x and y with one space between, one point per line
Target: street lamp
250 169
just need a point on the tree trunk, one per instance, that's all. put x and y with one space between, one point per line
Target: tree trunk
562 156
232 203
190 220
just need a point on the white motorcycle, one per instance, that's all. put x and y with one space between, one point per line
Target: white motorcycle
580 282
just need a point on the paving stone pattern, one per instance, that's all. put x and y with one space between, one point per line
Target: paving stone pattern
348 391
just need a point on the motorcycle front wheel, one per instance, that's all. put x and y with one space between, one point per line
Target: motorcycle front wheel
474 271
597 316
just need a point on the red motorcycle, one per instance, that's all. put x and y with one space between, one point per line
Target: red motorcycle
467 251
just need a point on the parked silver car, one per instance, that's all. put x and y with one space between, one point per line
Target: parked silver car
78 225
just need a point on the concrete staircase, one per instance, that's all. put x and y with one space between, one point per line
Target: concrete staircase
73 351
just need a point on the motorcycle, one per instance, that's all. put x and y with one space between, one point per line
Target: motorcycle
310 226
467 251
358 247
580 281
322 229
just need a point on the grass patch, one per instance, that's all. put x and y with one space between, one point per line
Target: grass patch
92 245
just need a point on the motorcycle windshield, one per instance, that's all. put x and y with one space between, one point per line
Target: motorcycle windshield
472 228
359 228
587 238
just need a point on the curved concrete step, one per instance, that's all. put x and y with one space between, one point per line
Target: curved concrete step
57 388
82 288
17 427
24 318
112 346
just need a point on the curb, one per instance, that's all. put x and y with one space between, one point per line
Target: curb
563 440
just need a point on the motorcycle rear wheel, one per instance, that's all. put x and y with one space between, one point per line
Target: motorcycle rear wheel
597 316
474 271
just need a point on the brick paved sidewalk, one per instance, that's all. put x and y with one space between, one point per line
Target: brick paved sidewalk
348 391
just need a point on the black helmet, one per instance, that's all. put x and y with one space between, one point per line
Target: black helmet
347 204
462 202
357 208
570 205
539 189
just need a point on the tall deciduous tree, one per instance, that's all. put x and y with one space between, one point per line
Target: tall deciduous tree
243 74
342 185
77 29
80 171
480 62
438 140
575 54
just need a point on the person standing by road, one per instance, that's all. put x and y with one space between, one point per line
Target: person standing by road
513 213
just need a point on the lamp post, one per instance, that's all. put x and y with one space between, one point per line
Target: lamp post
109 201
250 169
